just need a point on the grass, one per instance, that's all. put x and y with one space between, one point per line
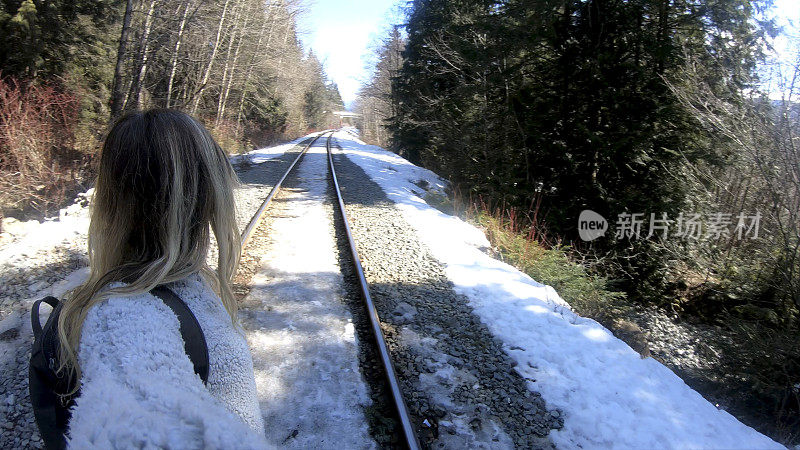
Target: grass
585 292
519 239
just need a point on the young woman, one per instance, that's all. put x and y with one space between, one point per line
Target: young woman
163 186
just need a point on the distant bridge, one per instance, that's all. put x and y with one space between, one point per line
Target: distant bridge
350 116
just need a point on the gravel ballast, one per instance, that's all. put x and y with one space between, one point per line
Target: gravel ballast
459 384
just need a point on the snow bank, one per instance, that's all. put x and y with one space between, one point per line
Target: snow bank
22 239
609 396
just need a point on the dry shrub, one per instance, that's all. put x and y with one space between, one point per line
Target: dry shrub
37 159
260 136
230 137
520 238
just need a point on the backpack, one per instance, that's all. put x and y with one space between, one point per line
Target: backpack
48 388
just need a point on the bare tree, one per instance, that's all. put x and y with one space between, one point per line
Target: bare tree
211 59
173 65
243 54
135 93
117 91
763 138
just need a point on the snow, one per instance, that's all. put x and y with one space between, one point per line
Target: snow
30 245
23 240
608 395
265 154
301 336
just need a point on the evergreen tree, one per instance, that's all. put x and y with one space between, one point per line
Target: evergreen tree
568 100
376 104
40 38
320 99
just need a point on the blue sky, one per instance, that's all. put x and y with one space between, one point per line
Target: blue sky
787 45
341 34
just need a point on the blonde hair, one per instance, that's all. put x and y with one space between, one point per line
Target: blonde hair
162 182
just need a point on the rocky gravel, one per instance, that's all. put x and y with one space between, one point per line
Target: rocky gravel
257 180
459 383
689 347
697 353
18 426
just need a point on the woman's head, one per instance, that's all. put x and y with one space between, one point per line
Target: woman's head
163 185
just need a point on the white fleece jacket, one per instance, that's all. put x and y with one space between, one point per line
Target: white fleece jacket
139 389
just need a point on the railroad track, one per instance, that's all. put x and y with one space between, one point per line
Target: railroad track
406 424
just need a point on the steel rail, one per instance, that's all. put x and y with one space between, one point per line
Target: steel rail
256 219
372 312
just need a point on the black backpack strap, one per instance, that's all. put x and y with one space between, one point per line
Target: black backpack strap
36 325
44 383
193 337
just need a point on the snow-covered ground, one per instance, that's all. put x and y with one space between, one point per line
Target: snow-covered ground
265 154
610 397
32 248
300 333
32 245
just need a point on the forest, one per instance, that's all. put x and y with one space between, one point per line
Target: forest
69 68
655 115
637 155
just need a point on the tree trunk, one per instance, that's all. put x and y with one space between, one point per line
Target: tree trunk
135 93
249 72
207 72
227 88
229 62
173 64
117 92
285 38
